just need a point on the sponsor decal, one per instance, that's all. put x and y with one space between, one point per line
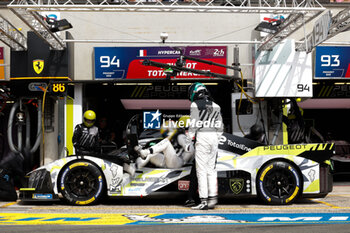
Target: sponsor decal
261 184
195 52
236 185
114 186
78 164
151 120
224 140
134 190
169 52
285 147
100 182
183 185
42 196
297 185
133 184
311 175
85 202
38 65
63 176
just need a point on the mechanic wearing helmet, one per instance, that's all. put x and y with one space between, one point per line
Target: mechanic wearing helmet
206 128
169 152
86 136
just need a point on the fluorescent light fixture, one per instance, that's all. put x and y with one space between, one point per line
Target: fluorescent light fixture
145 104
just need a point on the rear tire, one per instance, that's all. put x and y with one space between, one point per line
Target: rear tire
81 183
279 182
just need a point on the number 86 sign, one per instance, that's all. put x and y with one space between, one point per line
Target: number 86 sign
58 88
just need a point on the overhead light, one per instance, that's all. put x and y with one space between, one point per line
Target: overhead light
266 27
270 25
57 25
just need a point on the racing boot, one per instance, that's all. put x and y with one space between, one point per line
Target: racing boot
142 153
190 203
202 206
212 201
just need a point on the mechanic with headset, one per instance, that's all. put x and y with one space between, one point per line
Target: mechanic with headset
169 152
206 128
86 136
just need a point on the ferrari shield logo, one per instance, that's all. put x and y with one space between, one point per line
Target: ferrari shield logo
38 65
236 185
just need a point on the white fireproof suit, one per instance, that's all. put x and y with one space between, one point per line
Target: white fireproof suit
163 154
206 127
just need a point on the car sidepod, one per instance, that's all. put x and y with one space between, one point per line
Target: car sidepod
82 180
149 180
278 174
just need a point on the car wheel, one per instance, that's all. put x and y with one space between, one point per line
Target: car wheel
278 182
81 183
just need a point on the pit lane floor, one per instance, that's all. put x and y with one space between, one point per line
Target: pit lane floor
165 208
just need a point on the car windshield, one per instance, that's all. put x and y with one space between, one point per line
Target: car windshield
150 133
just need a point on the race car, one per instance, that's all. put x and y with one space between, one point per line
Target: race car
278 174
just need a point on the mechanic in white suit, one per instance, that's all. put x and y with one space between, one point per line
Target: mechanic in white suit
169 152
206 127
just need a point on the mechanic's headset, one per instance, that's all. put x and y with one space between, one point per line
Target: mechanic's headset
194 89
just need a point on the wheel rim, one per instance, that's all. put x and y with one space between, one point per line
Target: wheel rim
82 183
280 183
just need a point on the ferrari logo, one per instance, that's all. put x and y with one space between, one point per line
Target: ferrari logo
38 65
236 185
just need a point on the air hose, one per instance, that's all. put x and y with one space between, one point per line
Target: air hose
23 118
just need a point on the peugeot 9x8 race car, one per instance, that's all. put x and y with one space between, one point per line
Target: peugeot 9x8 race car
278 174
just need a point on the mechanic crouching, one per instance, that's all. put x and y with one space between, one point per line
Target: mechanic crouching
205 129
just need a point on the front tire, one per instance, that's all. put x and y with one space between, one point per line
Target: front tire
279 182
81 183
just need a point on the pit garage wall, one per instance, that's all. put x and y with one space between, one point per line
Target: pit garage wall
147 26
180 27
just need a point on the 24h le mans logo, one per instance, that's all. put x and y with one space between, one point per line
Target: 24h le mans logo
236 185
38 65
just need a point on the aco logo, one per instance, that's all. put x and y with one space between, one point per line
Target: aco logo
236 185
38 65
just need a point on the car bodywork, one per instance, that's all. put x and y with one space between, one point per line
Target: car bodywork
278 174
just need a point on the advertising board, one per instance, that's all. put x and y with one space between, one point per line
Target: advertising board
126 62
332 62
